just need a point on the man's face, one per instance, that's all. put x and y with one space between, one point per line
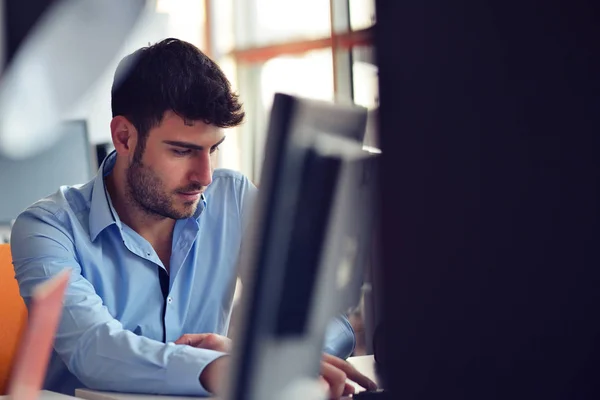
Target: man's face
175 168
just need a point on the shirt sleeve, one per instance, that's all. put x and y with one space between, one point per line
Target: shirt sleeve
248 201
248 195
94 345
340 340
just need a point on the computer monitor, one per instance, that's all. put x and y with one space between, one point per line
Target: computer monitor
102 151
24 181
351 229
296 261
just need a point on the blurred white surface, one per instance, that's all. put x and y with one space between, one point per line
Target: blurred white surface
62 57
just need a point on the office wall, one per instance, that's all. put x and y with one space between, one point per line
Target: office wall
95 106
67 162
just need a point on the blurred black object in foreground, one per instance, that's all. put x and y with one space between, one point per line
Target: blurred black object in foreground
489 130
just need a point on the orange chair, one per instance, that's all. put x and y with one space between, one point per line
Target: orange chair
13 314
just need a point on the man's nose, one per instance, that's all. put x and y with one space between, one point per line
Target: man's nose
202 171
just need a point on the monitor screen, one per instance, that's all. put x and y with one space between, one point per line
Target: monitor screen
292 256
24 181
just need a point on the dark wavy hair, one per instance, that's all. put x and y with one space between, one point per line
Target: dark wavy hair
172 75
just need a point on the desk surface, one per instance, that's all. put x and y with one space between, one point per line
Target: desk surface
47 395
365 364
98 395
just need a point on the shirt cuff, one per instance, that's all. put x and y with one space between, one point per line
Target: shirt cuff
186 366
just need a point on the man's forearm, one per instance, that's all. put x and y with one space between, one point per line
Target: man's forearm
213 374
118 360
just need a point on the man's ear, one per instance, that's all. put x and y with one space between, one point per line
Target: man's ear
124 135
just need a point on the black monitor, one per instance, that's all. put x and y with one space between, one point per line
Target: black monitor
350 240
102 151
68 161
297 264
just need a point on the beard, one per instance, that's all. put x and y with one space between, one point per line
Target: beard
147 192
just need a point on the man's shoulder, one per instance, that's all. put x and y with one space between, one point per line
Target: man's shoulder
231 187
52 217
223 174
74 199
226 179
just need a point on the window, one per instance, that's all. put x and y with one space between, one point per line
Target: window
186 19
318 49
365 87
264 22
286 74
362 14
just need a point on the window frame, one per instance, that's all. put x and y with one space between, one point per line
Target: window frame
341 40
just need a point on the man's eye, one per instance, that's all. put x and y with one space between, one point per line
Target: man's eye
213 149
181 152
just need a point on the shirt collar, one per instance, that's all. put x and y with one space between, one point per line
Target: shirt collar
102 212
201 206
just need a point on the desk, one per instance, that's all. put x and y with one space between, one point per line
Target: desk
365 364
98 395
47 395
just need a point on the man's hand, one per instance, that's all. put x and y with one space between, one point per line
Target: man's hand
213 374
334 370
210 341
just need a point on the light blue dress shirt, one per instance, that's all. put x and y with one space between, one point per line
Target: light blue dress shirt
118 327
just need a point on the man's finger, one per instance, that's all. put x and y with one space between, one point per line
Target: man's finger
352 373
324 384
349 389
336 379
216 342
192 339
210 341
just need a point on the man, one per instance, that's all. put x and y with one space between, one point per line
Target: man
153 240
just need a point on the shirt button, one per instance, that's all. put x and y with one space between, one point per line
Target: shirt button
169 300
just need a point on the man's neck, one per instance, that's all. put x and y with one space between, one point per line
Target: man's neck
157 230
